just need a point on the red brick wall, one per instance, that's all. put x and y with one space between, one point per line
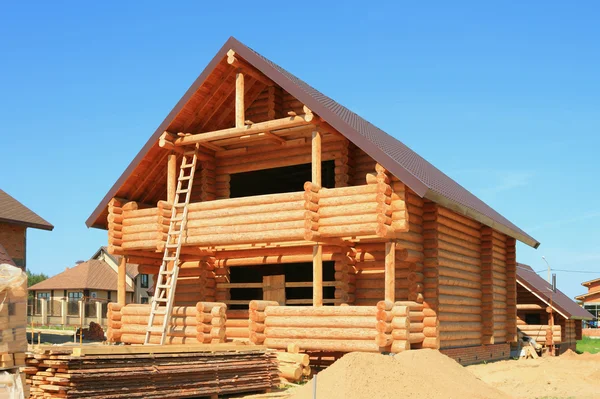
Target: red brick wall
12 238
478 354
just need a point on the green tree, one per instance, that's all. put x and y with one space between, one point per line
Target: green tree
34 278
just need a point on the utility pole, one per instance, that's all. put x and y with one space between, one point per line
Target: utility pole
548 264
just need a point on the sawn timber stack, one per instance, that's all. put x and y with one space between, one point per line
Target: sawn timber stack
173 371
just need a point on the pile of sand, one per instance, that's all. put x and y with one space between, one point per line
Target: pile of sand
422 374
569 375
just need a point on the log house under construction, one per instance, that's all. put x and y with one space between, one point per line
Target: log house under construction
312 225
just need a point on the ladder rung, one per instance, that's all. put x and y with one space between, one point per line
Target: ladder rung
154 329
175 220
169 258
183 191
191 152
164 286
160 312
172 245
187 165
180 205
185 177
161 299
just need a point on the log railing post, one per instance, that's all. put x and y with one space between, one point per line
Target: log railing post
122 281
171 177
390 271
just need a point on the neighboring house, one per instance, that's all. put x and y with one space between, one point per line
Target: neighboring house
534 298
15 218
591 300
93 280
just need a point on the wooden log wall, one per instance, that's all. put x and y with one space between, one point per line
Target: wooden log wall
202 323
257 319
324 328
511 290
431 234
499 273
370 277
237 324
204 187
267 106
541 332
363 164
345 276
459 283
115 225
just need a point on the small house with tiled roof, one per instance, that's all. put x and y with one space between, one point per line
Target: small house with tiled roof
591 300
15 218
545 314
261 188
93 280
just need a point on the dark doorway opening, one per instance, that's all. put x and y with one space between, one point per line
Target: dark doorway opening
278 180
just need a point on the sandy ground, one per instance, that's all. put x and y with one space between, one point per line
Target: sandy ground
567 376
426 374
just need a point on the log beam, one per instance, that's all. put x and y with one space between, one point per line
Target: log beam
316 158
390 271
318 275
122 281
255 128
171 177
239 100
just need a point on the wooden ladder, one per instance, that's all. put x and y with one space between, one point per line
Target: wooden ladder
164 292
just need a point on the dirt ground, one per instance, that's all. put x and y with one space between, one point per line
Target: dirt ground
427 374
570 376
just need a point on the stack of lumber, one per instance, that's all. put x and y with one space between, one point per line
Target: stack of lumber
237 325
13 323
325 328
165 371
293 366
541 333
203 323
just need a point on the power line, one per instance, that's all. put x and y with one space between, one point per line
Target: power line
575 271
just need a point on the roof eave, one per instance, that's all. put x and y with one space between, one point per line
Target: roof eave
480 217
39 226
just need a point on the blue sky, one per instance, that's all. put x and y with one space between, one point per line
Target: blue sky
502 97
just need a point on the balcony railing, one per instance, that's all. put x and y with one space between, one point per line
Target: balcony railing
316 213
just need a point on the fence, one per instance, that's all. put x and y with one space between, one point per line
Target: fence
66 313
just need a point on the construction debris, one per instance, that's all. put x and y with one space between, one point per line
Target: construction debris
93 333
173 371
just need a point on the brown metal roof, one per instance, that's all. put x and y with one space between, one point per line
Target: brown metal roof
418 174
5 257
91 275
543 290
12 211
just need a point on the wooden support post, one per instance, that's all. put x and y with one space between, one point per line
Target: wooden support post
171 177
122 281
318 275
317 249
316 158
239 100
390 271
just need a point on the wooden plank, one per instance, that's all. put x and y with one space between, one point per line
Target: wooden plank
122 281
149 349
274 289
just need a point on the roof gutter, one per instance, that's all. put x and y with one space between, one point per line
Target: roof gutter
480 217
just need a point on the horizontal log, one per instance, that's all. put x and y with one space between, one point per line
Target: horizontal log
344 321
324 344
321 333
321 311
